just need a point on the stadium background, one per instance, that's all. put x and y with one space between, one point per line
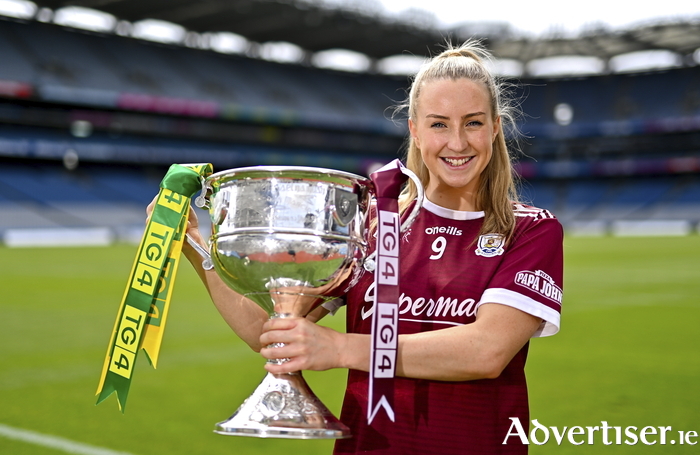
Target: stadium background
90 120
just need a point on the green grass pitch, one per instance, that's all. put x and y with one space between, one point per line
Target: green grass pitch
628 354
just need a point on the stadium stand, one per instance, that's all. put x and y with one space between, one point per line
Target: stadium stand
630 152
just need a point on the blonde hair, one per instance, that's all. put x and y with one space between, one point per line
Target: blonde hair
497 191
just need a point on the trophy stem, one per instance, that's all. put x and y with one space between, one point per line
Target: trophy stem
283 406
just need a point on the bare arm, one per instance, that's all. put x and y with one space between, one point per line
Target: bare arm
244 316
473 351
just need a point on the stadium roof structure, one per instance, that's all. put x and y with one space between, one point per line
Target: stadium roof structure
680 37
361 26
310 25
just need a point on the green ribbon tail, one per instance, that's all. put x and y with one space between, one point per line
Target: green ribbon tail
143 303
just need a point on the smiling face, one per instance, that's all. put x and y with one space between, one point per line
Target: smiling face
454 129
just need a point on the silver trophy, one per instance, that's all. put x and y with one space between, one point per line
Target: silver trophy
288 238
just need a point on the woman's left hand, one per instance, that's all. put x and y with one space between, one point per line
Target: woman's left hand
309 346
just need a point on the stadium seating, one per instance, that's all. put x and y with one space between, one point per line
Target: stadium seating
87 68
617 160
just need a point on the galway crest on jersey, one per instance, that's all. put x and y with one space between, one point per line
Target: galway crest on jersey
490 245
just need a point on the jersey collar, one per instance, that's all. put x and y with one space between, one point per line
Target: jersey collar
450 214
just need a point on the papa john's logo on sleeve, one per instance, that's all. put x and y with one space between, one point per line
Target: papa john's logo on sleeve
541 283
490 245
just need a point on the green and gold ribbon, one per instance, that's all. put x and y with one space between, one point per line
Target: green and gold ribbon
144 307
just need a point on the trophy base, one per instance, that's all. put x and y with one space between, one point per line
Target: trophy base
283 406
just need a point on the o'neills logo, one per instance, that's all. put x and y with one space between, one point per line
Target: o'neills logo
450 230
541 283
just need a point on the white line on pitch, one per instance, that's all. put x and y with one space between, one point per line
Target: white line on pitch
55 442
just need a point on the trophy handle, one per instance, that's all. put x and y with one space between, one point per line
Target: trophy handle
202 201
207 263
419 198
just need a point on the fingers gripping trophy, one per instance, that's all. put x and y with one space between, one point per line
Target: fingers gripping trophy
288 238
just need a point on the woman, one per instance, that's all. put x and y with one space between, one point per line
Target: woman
480 275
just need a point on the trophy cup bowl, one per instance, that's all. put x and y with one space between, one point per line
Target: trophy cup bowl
288 238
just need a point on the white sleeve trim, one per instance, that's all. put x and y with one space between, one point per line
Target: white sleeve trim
333 305
550 318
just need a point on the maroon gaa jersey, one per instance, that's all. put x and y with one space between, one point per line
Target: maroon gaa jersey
446 273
